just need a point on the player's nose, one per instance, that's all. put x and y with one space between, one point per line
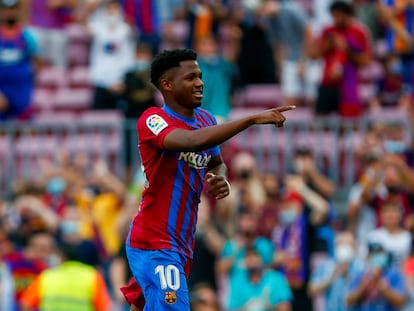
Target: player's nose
199 82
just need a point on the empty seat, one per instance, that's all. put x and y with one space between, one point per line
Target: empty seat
51 77
261 95
77 33
78 54
94 143
75 99
79 76
32 145
55 119
101 117
43 99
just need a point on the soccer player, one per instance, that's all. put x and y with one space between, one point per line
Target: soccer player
178 144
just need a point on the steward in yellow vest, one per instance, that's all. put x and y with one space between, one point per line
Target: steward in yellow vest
71 286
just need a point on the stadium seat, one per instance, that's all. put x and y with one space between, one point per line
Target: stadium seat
259 95
51 77
55 119
43 99
93 143
101 117
78 99
78 76
32 145
78 54
372 72
176 31
77 33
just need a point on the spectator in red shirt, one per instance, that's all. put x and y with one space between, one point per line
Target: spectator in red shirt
344 47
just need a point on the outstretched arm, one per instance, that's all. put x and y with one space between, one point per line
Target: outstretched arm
207 137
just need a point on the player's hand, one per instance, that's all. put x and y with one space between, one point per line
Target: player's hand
273 116
219 186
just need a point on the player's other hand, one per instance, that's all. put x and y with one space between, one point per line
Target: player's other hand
273 116
219 186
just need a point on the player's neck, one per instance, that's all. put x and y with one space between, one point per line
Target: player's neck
180 110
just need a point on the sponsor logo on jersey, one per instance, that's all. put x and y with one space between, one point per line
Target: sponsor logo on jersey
195 160
170 297
156 123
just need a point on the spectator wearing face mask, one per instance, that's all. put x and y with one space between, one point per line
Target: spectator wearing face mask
380 286
331 277
138 93
295 237
391 235
112 54
231 263
18 52
260 288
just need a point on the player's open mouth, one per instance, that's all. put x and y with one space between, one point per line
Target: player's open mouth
198 94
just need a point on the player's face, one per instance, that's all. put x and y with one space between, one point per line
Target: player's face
187 84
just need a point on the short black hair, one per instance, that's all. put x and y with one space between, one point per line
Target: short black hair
342 6
169 59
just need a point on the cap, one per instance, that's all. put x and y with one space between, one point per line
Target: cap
9 3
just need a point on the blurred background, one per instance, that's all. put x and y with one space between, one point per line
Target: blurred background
313 204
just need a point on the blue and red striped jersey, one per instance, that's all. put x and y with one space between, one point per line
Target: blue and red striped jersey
167 214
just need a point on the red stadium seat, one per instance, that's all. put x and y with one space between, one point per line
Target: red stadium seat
77 33
43 99
51 77
78 54
78 99
106 117
59 119
79 77
259 95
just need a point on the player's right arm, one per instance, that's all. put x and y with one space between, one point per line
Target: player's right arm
207 137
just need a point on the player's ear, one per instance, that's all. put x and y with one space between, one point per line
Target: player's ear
166 85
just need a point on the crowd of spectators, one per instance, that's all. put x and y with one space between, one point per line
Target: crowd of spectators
278 242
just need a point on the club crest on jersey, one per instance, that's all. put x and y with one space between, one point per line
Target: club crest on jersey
170 297
195 160
156 123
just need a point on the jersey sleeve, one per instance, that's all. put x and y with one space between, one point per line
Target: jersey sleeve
101 300
215 151
153 126
31 296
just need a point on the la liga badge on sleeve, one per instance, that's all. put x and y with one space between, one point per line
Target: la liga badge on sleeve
170 297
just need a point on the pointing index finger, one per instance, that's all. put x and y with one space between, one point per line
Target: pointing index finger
285 108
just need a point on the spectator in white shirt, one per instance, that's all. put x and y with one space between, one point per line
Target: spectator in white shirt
395 239
112 54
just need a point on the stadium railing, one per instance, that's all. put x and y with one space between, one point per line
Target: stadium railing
332 140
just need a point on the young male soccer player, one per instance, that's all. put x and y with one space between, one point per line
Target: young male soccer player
178 144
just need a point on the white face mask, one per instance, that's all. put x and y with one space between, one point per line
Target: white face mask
298 165
344 253
113 19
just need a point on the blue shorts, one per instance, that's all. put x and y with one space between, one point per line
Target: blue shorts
161 275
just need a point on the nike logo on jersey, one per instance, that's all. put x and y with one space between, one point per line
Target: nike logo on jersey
195 160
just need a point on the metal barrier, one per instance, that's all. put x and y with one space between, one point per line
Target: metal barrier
332 140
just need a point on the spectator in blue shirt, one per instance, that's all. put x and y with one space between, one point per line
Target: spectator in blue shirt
260 289
332 276
380 286
18 49
231 265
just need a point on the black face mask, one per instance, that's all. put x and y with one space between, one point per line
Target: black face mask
394 190
10 22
